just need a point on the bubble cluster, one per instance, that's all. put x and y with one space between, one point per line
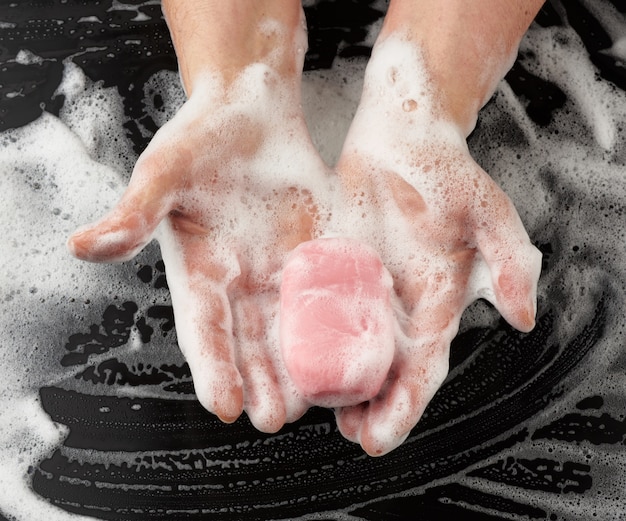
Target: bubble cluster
565 177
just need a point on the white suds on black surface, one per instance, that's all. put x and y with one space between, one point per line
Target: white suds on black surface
97 413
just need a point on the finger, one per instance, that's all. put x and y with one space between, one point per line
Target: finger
255 355
507 272
206 341
413 381
421 363
349 421
198 280
294 403
121 234
263 401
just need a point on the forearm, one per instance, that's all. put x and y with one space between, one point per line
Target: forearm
224 37
467 47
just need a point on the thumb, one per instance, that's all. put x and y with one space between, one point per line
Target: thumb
124 231
514 268
509 262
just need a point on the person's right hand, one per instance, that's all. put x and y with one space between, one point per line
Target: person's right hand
233 184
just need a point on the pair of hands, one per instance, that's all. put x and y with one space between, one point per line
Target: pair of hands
232 184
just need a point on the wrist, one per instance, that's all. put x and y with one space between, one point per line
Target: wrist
399 122
224 38
401 98
456 87
466 48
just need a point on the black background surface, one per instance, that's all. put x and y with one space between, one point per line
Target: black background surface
307 467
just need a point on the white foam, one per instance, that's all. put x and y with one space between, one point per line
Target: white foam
610 19
574 74
118 5
50 184
26 57
60 173
28 435
104 137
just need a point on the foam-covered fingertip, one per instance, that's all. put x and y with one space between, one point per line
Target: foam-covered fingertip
229 414
263 403
349 421
516 292
508 277
223 393
79 244
269 424
114 239
377 446
526 319
94 245
523 320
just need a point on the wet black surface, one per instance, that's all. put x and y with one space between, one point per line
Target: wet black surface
147 458
318 468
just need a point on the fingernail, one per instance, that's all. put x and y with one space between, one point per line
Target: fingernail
529 315
73 242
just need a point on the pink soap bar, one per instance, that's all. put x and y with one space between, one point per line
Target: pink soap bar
336 321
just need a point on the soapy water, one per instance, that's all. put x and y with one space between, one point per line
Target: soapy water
525 426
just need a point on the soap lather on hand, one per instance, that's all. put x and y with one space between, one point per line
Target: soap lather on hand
405 196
